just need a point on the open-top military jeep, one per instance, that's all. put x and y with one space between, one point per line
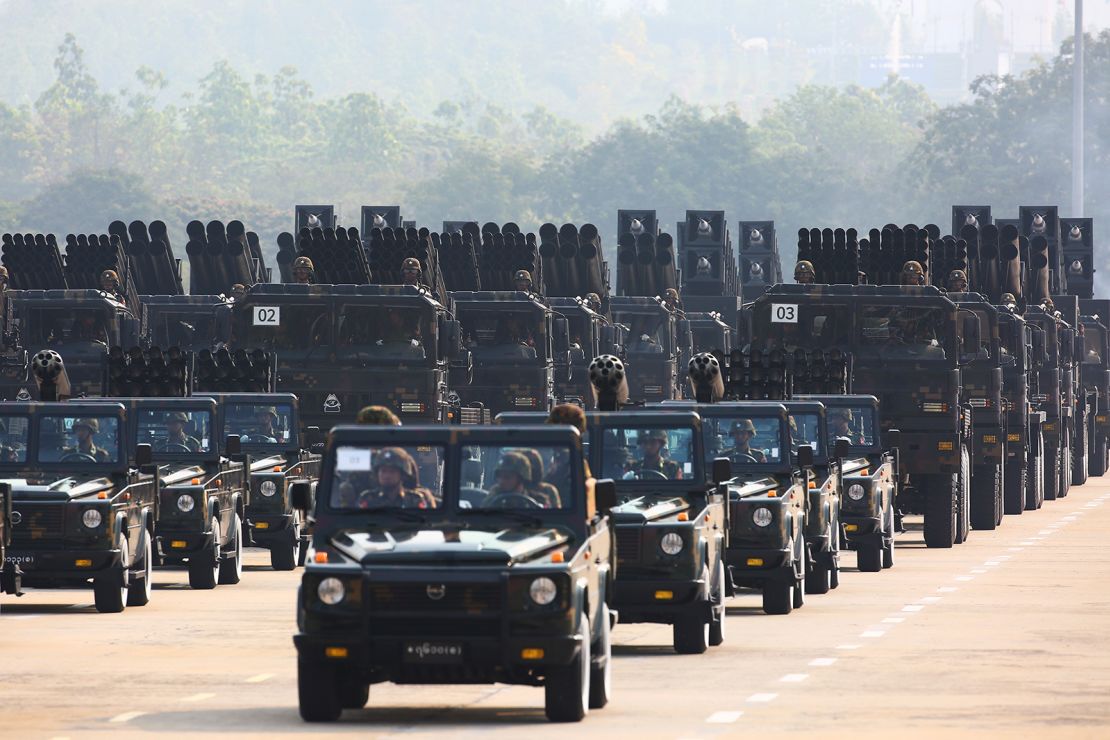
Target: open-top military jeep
670 522
268 426
422 577
80 512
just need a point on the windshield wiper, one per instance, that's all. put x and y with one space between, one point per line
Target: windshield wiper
520 515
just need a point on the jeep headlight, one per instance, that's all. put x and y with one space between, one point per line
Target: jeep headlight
331 591
762 517
543 591
185 503
672 543
856 492
267 488
91 518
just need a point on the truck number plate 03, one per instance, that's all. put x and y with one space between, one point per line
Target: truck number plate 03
432 652
784 313
267 316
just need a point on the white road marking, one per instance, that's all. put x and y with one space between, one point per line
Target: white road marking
126 717
993 562
947 589
894 620
794 677
930 599
816 662
913 607
964 578
260 678
762 698
847 647
1016 549
979 570
199 697
723 718
1045 531
872 633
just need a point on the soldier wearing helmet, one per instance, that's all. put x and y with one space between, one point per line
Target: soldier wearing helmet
395 482
513 473
176 438
410 271
912 274
653 443
840 425
109 283
672 300
957 281
304 272
522 281
85 430
265 419
742 433
804 274
538 488
1008 300
238 292
377 415
3 278
593 302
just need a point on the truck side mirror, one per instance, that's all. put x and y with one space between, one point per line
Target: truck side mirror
300 496
560 339
892 439
605 494
805 456
450 338
313 437
233 445
144 455
722 469
840 448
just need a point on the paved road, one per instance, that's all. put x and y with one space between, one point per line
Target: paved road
1007 634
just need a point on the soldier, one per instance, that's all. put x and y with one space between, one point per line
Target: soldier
512 473
84 430
109 283
176 436
1009 300
957 281
804 274
672 300
538 488
397 483
377 415
593 302
238 292
410 271
742 433
522 281
90 327
8 452
264 421
398 329
304 272
652 442
840 425
912 274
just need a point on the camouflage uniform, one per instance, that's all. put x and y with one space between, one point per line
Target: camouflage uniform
744 425
183 439
804 274
304 272
672 300
81 448
536 486
669 468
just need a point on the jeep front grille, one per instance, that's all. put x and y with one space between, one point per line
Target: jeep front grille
39 524
418 597
628 544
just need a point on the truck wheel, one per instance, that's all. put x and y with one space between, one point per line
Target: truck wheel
717 624
1097 462
1080 465
354 694
601 667
567 689
800 585
986 490
869 559
941 494
778 598
888 541
286 556
317 696
963 503
819 578
1013 484
110 589
204 568
1034 482
231 564
139 589
1051 474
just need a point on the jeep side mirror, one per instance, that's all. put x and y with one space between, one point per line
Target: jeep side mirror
840 449
605 494
722 469
893 438
300 496
313 436
805 456
143 455
232 445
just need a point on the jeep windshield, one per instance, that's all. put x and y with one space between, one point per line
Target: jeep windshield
648 454
805 429
853 423
14 432
1094 340
175 432
260 423
85 439
902 332
744 439
382 478
499 477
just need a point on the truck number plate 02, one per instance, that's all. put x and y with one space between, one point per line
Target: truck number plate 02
267 316
784 313
433 652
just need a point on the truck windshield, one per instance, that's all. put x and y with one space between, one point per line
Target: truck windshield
175 431
743 439
1094 339
393 331
647 332
378 477
84 439
58 325
504 333
648 454
188 330
289 326
260 423
853 423
516 477
13 439
789 326
902 332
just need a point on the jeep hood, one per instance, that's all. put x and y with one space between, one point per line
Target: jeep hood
58 489
439 547
647 509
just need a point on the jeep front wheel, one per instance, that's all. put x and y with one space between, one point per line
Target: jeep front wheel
567 688
317 692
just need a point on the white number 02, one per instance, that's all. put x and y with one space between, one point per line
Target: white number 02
267 316
784 313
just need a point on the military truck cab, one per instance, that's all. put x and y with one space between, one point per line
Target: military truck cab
1094 371
512 340
269 430
190 322
653 348
709 333
590 335
342 347
671 522
81 513
1053 380
414 582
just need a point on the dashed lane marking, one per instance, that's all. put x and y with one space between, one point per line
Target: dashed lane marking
947 589
723 718
848 647
965 578
913 607
822 662
260 678
126 717
872 633
894 620
762 698
794 677
203 696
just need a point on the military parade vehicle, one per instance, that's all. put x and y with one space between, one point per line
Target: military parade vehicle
269 430
10 580
1054 386
590 334
1021 351
1095 376
868 476
192 323
1080 400
83 505
709 333
412 582
671 525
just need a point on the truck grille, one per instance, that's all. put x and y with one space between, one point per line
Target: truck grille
628 544
39 524
456 597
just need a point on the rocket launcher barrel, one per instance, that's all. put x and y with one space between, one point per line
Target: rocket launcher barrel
608 382
705 377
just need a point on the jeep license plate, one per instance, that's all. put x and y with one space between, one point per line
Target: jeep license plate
431 652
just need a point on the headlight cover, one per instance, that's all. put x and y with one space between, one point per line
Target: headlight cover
185 503
856 492
543 591
331 591
762 517
267 488
91 518
672 543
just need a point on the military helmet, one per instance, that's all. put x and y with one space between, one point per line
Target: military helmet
536 463
377 415
1008 298
303 262
178 416
913 267
410 264
399 458
109 275
671 294
91 424
658 434
515 462
804 267
593 301
269 411
522 275
3 272
569 414
957 275
238 288
841 413
743 425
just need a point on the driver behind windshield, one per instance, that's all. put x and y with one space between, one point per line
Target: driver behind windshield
652 443
176 438
398 485
743 432
84 429
840 425
264 421
536 486
513 473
